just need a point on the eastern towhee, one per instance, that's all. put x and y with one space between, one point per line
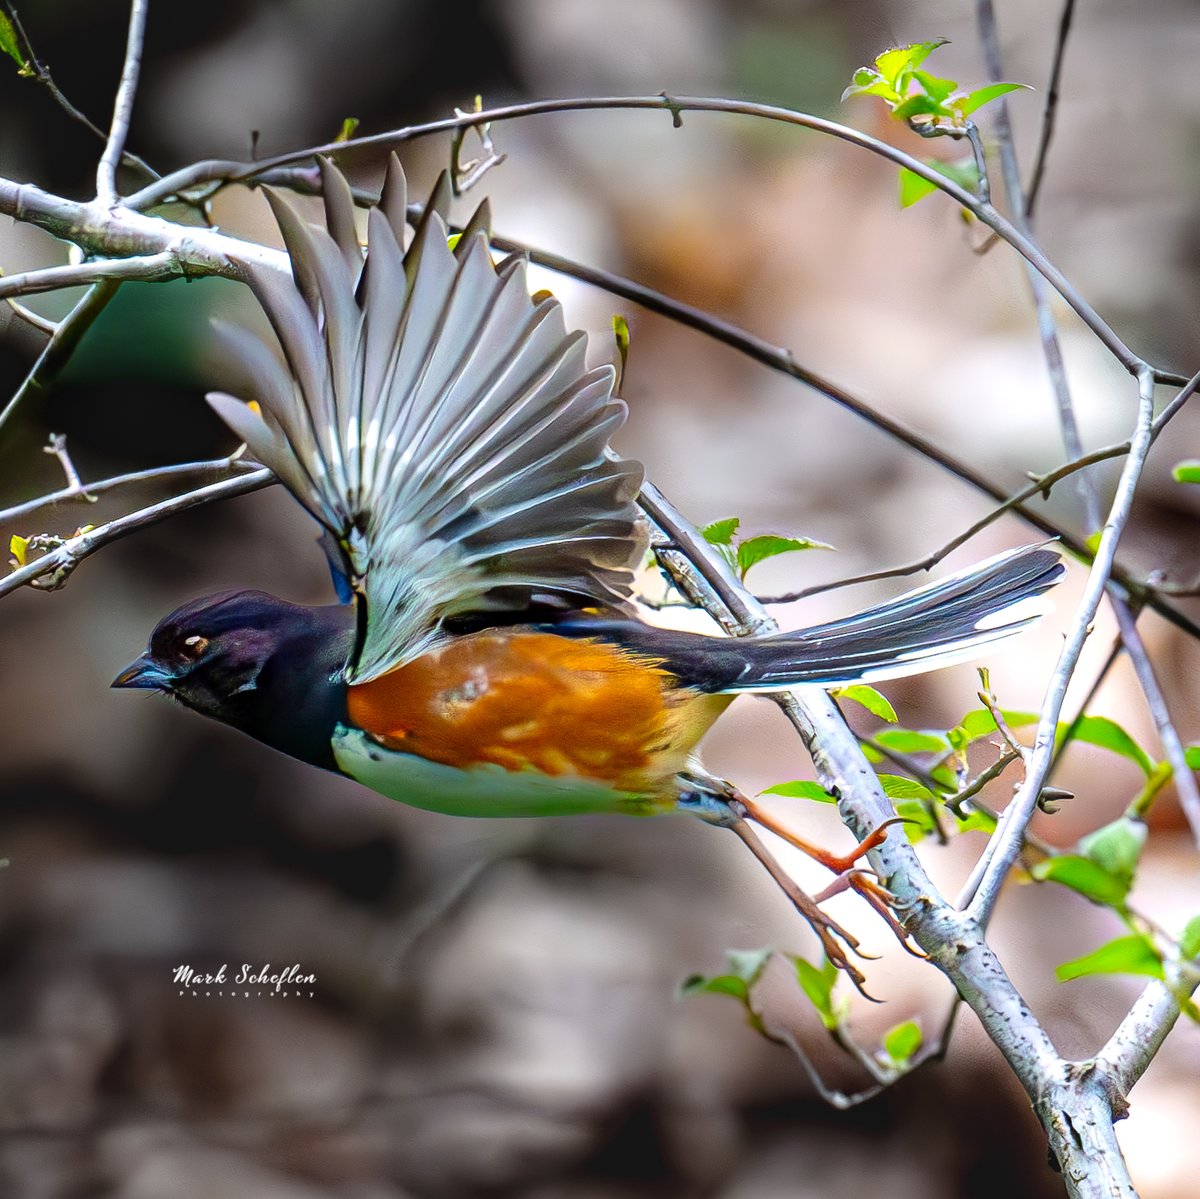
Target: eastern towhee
443 427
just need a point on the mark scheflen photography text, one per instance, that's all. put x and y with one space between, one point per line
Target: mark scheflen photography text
246 981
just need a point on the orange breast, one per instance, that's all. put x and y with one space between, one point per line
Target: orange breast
525 700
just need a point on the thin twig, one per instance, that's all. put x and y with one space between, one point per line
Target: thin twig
1070 732
1168 736
41 323
1041 486
1046 324
1050 111
172 184
106 172
984 187
57 447
157 474
992 869
62 344
51 570
839 1100
41 72
1155 700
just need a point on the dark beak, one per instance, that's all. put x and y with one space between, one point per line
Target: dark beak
143 672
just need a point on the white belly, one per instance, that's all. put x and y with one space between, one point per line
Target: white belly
486 790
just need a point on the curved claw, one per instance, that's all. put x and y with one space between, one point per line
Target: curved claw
836 942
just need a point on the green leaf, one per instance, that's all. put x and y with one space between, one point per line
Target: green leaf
914 187
758 549
980 722
1126 955
910 741
901 1042
985 95
10 45
1106 733
1092 541
1191 755
1095 730
1116 847
1187 472
744 967
1189 939
800 789
920 105
976 821
721 532
918 823
348 129
1081 874
871 85
899 60
818 986
896 786
868 698
938 89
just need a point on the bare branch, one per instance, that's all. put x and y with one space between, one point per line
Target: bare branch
158 474
58 448
1050 111
1046 324
1168 736
61 346
51 570
106 172
1140 1035
146 268
1172 747
993 867
42 74
179 181
1041 486
40 323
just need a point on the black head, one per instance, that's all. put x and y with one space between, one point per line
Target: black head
261 664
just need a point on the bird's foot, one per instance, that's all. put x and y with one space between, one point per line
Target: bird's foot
866 884
838 864
730 806
837 942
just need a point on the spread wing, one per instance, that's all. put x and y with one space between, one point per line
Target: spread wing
439 422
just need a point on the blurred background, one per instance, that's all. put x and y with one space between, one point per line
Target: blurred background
496 1006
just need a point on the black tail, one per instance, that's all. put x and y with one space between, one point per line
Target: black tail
934 626
948 621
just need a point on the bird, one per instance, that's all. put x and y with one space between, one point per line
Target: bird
486 656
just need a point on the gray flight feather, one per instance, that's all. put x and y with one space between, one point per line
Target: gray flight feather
437 420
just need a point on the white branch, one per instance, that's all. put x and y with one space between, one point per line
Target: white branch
147 268
1140 1035
114 149
983 887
